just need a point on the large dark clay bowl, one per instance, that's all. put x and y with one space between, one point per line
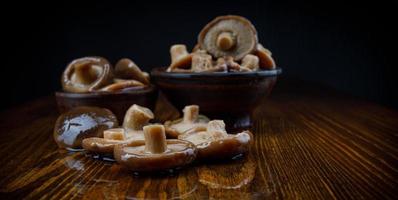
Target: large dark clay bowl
228 96
117 102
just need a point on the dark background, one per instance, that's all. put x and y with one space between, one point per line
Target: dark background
348 46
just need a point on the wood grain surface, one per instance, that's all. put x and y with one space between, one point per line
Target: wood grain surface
310 143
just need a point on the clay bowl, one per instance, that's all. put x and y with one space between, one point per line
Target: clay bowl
117 102
228 96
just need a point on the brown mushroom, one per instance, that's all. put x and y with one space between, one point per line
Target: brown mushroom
123 85
191 120
82 122
106 144
228 36
135 119
87 74
265 57
250 63
180 58
127 69
216 143
155 153
101 145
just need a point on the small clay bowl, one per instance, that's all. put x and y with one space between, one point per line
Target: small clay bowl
231 96
117 102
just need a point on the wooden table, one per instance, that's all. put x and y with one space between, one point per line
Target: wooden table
310 143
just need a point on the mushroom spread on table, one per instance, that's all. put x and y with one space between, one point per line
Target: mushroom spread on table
96 74
226 44
141 146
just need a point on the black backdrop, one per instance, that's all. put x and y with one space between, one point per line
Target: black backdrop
349 46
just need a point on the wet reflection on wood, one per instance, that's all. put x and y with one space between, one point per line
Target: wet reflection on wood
309 144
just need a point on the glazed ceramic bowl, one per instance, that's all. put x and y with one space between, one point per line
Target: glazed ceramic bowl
228 96
117 102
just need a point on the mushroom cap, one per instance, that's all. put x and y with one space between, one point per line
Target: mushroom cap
100 145
82 122
127 69
216 146
243 32
178 126
135 158
125 85
265 57
103 75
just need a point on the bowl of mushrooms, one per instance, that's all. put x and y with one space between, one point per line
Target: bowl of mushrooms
228 73
93 81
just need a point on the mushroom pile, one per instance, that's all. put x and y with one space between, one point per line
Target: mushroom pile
210 137
141 146
226 44
96 74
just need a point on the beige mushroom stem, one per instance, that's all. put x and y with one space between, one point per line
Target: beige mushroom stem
191 113
85 73
177 51
179 57
115 134
201 61
225 41
137 117
216 127
155 138
250 62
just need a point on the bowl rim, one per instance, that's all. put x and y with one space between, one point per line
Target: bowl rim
149 89
161 72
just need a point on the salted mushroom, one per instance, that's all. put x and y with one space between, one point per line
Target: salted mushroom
191 120
87 74
135 119
127 69
122 85
228 35
155 153
106 144
80 123
180 58
265 57
249 63
216 143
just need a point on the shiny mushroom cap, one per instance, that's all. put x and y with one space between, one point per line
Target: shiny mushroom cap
228 35
215 143
155 153
80 123
87 74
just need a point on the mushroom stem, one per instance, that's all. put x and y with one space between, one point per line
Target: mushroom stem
191 113
115 134
155 138
225 41
216 126
137 117
177 51
85 73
